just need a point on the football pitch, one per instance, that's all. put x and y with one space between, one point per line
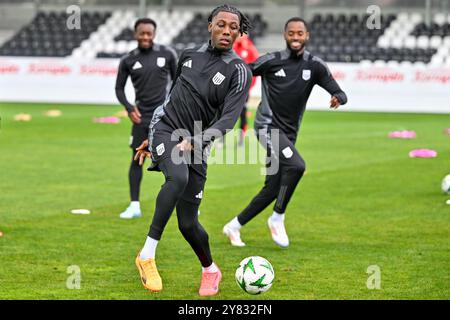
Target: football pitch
363 204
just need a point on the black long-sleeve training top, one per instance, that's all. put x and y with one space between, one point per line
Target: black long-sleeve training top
208 94
151 71
287 82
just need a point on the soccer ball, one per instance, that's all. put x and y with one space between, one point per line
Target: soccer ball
446 184
255 275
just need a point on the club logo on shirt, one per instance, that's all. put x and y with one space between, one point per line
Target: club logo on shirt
188 64
306 75
280 73
137 65
160 149
218 78
287 152
161 62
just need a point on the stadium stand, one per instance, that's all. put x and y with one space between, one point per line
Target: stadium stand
179 29
401 38
346 38
108 35
118 35
48 36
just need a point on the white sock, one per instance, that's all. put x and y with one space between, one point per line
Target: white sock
234 224
135 205
277 217
211 269
149 249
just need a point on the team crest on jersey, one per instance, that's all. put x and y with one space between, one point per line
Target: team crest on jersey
161 62
160 149
306 75
287 152
218 78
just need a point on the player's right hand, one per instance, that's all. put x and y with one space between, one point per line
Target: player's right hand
334 103
142 152
135 116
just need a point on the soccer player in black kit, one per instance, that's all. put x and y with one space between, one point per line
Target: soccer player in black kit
288 78
210 89
151 67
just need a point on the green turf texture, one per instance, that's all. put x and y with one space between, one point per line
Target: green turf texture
362 202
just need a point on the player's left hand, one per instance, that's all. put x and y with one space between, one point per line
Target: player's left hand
334 103
142 152
184 145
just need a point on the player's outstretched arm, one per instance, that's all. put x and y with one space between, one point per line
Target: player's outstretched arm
325 79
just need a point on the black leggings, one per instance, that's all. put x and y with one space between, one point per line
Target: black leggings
134 178
180 177
279 186
243 117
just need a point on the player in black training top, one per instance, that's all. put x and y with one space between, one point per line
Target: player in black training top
288 78
209 92
151 68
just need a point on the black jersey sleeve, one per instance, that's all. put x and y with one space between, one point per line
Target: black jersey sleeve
262 64
233 104
325 80
178 67
121 80
173 64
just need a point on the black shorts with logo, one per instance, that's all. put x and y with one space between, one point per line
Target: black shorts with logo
280 148
164 149
139 133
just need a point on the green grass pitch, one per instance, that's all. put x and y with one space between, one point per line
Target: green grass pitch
363 202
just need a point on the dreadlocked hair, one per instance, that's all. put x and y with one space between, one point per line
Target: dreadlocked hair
244 22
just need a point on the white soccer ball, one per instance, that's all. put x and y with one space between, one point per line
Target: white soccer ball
255 275
446 184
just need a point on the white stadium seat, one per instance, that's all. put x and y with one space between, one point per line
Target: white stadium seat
406 64
443 51
121 46
131 46
383 42
439 18
435 42
446 41
77 53
419 64
393 64
437 60
416 18
410 42
379 63
403 16
423 42
397 42
109 47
